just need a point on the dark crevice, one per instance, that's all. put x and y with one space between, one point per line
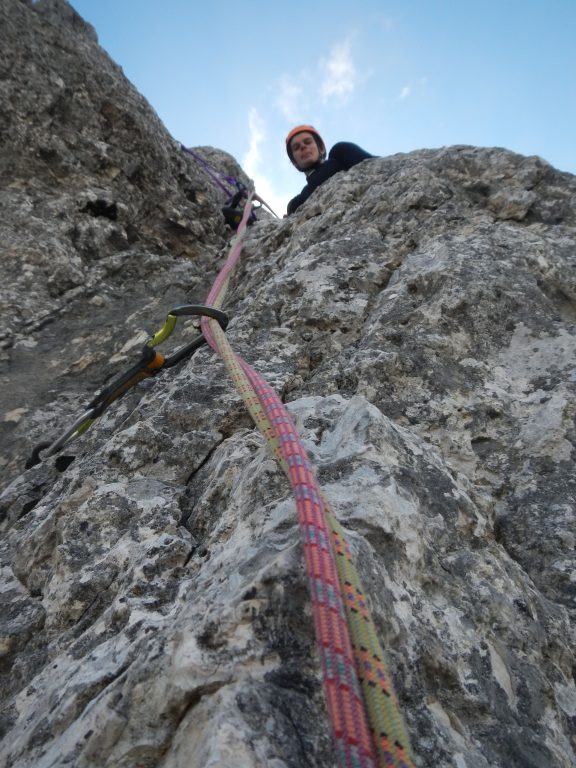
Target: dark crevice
63 462
193 698
303 747
28 507
204 461
101 208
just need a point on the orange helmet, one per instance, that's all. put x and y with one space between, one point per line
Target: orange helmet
309 129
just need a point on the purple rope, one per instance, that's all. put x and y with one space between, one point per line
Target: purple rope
213 172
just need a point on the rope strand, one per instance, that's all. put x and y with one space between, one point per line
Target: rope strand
367 725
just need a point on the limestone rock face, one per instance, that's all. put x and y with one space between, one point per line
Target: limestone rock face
416 314
106 223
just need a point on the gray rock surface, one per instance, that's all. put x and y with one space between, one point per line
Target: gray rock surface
106 223
417 315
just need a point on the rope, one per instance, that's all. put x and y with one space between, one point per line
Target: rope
352 660
219 178
386 722
227 183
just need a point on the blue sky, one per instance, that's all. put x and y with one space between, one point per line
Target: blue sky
390 75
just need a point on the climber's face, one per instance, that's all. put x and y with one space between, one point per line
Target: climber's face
304 151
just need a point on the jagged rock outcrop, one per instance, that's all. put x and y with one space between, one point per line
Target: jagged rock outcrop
417 314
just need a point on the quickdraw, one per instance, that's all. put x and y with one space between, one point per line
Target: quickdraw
151 363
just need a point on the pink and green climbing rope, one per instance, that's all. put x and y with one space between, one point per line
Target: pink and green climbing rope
367 724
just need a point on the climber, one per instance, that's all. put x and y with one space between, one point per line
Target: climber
307 153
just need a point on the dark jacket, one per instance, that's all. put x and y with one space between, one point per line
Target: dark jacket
342 156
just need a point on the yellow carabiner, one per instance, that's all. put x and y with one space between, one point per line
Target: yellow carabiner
164 332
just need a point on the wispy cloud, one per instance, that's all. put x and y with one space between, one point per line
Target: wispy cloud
410 88
257 131
252 162
288 99
339 73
